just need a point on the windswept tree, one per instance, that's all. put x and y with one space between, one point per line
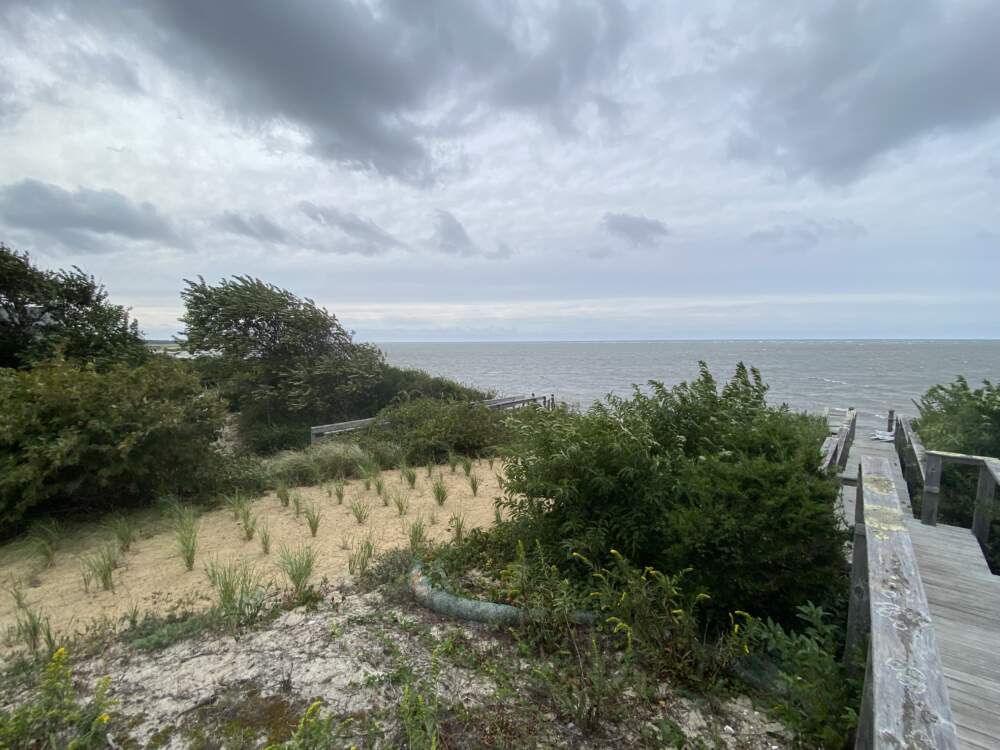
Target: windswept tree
43 313
282 361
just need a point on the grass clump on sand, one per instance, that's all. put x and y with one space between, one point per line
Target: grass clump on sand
186 534
402 502
264 537
297 565
440 491
361 510
44 539
124 530
100 567
338 490
241 594
362 552
409 475
313 515
248 521
457 526
474 484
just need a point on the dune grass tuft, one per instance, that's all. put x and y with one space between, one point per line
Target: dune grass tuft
248 521
240 591
361 511
457 526
297 565
123 529
440 491
466 465
284 497
338 490
474 484
186 533
264 537
409 476
313 515
362 553
416 532
401 501
44 538
100 567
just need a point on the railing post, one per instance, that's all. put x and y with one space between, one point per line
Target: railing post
892 420
932 490
858 615
982 516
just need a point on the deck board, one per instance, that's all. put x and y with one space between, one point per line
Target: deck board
963 597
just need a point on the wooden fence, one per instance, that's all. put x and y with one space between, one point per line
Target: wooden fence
507 402
905 701
927 467
837 445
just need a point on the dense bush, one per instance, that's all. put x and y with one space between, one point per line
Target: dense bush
961 419
75 437
687 477
428 429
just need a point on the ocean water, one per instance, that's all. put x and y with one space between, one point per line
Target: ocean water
872 376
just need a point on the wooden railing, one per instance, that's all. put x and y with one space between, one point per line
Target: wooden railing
507 402
905 701
928 467
837 445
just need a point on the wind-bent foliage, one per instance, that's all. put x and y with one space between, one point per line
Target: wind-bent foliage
45 312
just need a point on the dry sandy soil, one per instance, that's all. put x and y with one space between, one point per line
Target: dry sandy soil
154 578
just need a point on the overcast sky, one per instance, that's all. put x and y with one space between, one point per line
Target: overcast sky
446 169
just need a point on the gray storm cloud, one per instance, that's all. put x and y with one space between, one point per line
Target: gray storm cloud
522 153
860 79
84 219
638 231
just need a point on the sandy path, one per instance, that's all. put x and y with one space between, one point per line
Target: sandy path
155 579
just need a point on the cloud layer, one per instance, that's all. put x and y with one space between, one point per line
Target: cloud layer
511 159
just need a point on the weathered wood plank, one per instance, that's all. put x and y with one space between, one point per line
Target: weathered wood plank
983 512
932 489
909 700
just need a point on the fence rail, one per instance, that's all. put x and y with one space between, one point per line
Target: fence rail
837 445
905 701
506 402
928 466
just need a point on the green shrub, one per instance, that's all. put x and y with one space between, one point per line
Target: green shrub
321 462
74 437
961 419
53 717
687 477
812 694
430 429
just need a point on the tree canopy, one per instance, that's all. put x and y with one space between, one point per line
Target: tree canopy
66 311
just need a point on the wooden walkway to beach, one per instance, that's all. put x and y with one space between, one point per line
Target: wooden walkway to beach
929 604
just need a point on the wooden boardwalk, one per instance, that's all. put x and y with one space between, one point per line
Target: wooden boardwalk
963 599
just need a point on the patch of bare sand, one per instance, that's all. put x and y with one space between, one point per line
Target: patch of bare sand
154 578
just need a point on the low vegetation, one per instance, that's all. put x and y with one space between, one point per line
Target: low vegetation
961 419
